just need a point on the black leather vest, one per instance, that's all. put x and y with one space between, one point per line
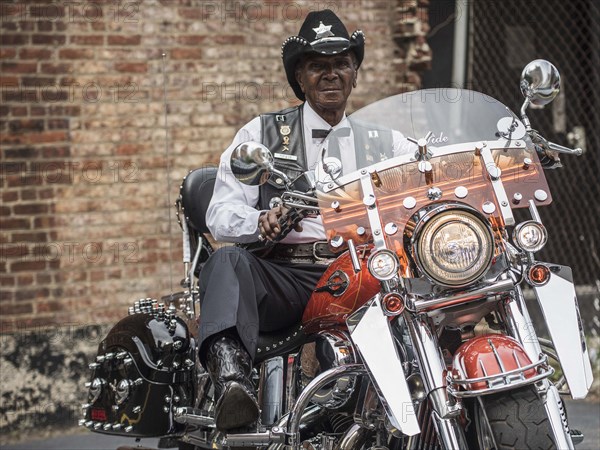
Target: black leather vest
283 134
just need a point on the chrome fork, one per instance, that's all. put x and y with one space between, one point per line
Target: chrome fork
521 328
431 362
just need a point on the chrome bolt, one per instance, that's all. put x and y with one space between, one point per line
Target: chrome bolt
176 399
526 163
166 409
361 231
167 399
335 205
517 197
138 382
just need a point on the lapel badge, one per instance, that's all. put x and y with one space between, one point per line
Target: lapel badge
286 140
369 158
382 157
285 130
373 133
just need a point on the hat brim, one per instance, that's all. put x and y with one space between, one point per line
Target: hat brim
294 49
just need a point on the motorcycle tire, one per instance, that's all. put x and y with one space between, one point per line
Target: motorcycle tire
517 420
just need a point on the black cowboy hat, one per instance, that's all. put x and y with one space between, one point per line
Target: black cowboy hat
324 33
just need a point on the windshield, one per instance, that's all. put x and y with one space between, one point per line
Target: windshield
473 151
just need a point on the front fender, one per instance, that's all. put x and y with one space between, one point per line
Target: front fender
373 337
558 302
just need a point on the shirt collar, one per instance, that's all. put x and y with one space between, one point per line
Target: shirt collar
313 121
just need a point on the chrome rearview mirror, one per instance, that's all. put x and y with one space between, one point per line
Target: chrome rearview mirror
540 82
251 163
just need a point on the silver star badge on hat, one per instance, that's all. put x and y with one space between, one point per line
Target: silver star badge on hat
323 31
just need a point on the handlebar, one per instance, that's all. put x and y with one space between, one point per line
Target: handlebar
569 151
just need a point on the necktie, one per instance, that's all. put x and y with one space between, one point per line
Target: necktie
322 134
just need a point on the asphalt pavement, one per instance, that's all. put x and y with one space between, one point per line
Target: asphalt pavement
584 416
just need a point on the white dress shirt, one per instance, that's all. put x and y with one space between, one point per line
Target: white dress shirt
232 216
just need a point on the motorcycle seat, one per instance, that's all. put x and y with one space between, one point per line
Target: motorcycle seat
195 192
279 342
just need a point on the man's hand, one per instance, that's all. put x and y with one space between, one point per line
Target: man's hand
268 223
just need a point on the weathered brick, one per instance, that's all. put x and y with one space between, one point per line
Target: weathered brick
124 40
48 39
34 53
87 40
186 53
131 67
76 53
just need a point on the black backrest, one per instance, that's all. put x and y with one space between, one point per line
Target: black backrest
196 191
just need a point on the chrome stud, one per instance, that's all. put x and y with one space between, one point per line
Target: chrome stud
489 208
461 192
137 409
540 195
409 202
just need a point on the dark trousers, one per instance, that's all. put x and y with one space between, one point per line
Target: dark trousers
245 294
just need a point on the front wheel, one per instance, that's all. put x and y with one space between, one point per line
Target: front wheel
512 420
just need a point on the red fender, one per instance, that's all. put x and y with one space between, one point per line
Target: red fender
489 355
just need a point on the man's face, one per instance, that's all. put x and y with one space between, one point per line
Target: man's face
327 80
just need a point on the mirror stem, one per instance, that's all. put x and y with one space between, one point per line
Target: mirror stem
524 117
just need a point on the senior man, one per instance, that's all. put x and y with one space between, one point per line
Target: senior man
241 292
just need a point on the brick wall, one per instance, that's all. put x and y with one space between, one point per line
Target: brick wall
85 213
84 168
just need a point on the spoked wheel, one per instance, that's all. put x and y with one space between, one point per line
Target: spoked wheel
511 420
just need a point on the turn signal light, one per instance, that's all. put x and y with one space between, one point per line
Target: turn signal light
393 304
539 274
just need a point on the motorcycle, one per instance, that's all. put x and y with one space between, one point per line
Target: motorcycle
418 334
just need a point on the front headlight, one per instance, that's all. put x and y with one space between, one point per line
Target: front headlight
454 247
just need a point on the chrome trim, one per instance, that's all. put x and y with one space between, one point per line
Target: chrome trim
433 368
497 185
520 324
465 147
506 378
558 302
375 342
271 390
553 406
372 211
295 414
495 288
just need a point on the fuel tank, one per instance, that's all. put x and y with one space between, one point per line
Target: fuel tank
339 292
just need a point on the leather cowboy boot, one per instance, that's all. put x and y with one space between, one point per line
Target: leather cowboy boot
230 366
